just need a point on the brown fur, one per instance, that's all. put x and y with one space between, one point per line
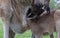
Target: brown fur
12 13
46 23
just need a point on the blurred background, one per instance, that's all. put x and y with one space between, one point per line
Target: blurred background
54 4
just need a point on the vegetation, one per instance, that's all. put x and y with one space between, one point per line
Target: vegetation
52 5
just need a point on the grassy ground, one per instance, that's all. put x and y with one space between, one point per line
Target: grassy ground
27 34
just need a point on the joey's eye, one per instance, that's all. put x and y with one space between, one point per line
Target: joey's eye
28 12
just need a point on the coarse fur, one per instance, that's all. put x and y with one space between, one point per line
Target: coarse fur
13 14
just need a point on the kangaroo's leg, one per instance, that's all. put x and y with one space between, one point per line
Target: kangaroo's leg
8 33
57 31
11 34
33 36
52 36
38 35
6 30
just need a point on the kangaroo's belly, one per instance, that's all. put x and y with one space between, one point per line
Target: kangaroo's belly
17 27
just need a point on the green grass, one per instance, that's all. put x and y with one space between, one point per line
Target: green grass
1 29
27 34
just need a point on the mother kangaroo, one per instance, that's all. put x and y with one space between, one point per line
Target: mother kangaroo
13 14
